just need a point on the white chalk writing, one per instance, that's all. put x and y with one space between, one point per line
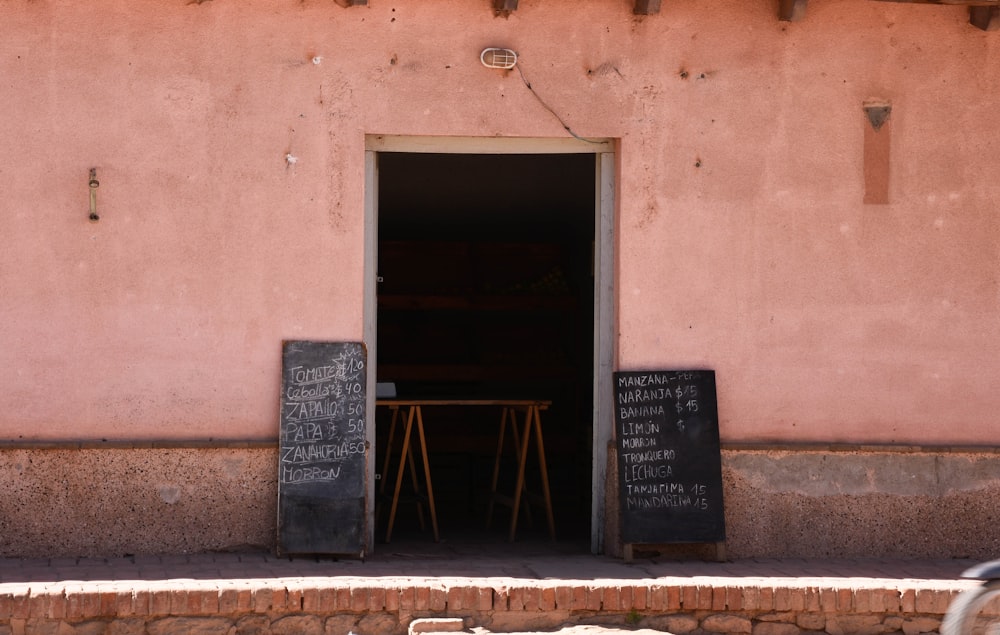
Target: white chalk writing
322 419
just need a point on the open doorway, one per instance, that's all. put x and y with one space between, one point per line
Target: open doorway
485 267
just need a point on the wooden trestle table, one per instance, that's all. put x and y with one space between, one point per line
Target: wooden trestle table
411 410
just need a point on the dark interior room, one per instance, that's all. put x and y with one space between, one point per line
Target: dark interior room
486 290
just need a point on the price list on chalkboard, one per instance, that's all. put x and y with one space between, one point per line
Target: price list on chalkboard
669 459
321 464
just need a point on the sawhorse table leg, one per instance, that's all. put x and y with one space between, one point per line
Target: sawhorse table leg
406 453
533 421
532 427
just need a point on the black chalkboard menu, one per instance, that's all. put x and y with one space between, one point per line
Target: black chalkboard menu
322 450
669 460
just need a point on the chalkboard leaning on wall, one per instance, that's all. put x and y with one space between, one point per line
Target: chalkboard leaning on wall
322 449
669 459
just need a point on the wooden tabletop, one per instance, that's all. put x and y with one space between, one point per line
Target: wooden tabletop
538 403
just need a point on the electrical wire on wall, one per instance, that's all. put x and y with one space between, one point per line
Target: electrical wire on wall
549 108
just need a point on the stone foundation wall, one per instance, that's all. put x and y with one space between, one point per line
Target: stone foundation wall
93 501
862 502
851 502
817 502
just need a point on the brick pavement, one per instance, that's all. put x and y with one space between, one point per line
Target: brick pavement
502 591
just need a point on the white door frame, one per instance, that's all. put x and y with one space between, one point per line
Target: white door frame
604 288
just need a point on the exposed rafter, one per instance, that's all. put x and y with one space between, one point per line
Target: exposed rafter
966 3
985 18
504 6
791 10
983 14
646 7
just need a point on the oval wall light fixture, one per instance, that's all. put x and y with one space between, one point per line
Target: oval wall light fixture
498 58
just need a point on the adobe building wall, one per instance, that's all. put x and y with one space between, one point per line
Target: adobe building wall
228 140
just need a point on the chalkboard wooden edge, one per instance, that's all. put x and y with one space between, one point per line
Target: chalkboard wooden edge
283 553
718 540
646 371
362 344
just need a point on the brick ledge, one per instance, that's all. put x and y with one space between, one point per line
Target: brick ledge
734 605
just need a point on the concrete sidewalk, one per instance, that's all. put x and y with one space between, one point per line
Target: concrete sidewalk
492 564
511 589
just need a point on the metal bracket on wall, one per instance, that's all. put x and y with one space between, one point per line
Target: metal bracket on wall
94 184
877 114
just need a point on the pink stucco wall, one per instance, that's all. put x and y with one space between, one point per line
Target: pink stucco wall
228 139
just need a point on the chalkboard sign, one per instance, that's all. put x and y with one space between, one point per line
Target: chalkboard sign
669 461
322 450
